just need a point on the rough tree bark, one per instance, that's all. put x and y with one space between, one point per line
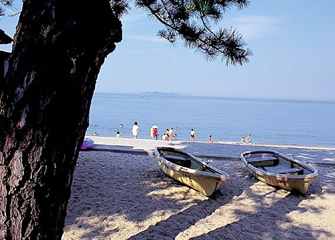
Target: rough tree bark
44 107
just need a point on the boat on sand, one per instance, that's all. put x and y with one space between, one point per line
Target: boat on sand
279 170
190 170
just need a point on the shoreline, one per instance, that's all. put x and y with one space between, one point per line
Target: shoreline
223 151
226 143
279 145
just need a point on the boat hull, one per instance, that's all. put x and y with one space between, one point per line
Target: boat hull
295 176
205 181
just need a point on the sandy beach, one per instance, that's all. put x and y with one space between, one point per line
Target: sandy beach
119 192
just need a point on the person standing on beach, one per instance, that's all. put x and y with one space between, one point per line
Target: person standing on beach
192 135
170 134
248 139
135 130
155 134
152 132
210 139
167 134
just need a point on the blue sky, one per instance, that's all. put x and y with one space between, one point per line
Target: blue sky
292 44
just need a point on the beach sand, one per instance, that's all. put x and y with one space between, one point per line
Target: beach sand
119 192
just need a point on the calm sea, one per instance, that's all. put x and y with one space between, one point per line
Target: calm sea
308 123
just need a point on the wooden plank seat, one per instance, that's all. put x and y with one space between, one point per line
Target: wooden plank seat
260 159
179 160
282 170
263 161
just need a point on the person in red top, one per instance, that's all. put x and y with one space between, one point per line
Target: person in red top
155 134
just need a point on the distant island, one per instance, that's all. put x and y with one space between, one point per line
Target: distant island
147 94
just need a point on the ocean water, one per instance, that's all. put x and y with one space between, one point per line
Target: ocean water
306 123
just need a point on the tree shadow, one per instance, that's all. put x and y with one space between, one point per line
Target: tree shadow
278 219
181 221
278 225
132 188
136 200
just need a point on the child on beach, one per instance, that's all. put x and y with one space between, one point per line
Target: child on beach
210 138
192 135
242 140
117 134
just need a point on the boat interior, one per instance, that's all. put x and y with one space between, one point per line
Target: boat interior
184 160
178 159
275 164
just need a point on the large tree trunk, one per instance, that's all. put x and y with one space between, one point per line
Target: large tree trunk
44 106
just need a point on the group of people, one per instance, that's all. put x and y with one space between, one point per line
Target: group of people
168 135
246 140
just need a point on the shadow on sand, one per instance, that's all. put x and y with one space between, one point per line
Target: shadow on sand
138 190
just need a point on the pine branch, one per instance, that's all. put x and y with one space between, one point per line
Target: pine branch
189 21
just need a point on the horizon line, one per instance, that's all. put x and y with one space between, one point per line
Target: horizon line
226 97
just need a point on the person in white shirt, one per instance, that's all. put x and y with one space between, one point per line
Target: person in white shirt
135 130
192 135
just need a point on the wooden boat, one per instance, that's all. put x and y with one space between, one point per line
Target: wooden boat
279 170
190 170
88 143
